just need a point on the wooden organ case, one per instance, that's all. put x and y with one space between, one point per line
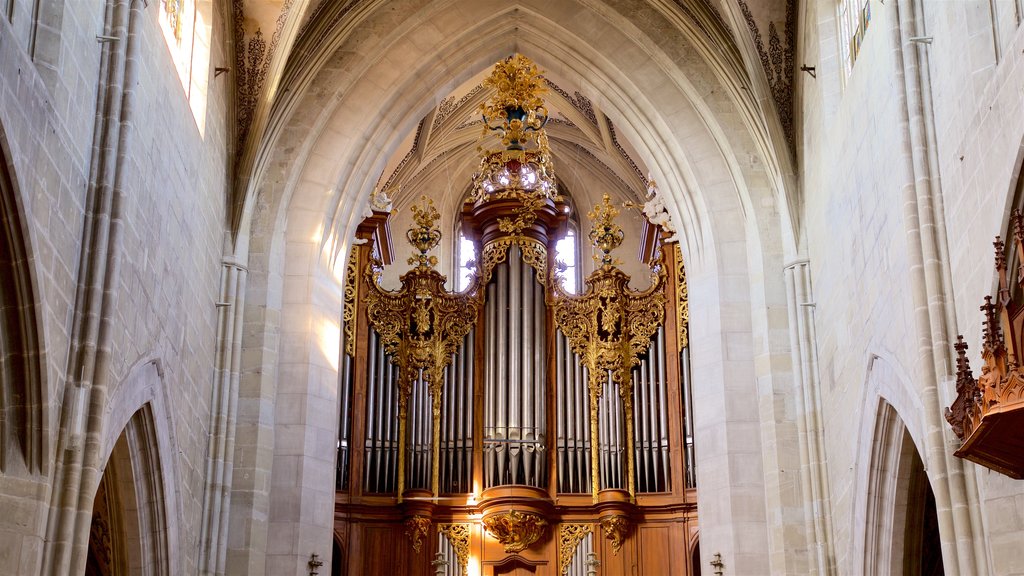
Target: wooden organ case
514 428
987 415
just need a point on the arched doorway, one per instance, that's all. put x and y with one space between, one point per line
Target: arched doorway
129 530
22 401
922 551
902 529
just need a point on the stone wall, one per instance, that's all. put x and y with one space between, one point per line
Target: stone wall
174 189
860 151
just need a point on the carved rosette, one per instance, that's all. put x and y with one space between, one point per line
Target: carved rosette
417 528
616 528
569 538
516 530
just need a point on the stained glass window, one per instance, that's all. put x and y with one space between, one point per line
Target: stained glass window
854 17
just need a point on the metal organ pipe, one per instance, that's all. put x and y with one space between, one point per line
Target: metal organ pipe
456 456
514 360
515 375
381 420
526 340
345 425
665 484
490 387
691 471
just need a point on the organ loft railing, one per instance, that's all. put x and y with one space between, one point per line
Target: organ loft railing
513 410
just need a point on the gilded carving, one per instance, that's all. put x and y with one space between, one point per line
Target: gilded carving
616 529
569 538
516 530
682 301
351 294
458 536
533 252
420 326
519 85
610 326
417 528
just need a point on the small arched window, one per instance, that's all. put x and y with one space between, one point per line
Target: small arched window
567 253
465 253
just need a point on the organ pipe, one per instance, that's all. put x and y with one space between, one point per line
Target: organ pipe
515 394
453 391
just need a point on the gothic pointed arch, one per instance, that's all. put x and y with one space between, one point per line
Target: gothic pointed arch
138 475
22 384
901 534
129 533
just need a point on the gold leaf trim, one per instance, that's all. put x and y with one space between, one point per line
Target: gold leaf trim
458 535
569 538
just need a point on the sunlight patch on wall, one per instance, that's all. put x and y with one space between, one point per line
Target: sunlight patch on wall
328 336
186 25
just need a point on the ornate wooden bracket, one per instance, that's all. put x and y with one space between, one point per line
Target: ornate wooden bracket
516 530
616 528
417 528
420 326
610 326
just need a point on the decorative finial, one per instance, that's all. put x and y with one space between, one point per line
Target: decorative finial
964 375
425 235
993 334
1000 253
1018 225
518 105
605 235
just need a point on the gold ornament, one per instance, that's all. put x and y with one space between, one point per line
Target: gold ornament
615 528
533 253
420 326
610 326
682 301
517 105
606 235
516 530
417 528
458 536
425 236
526 213
351 294
569 537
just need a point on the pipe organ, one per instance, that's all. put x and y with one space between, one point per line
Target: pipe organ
513 427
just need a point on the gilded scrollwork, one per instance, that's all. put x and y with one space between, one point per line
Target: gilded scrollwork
516 530
533 253
682 300
417 528
609 326
351 294
420 326
569 538
616 528
458 535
